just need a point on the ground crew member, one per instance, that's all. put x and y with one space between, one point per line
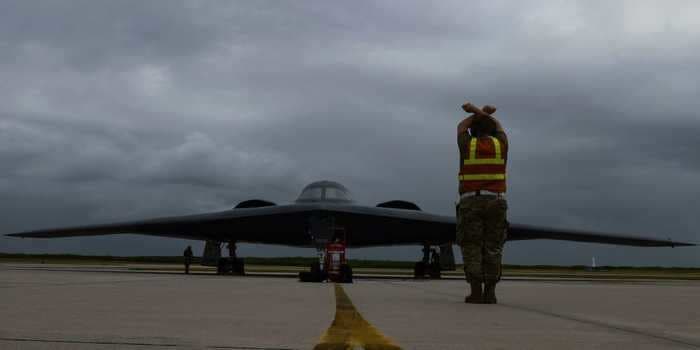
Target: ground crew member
434 258
188 258
481 212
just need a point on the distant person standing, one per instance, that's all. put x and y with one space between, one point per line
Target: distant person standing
481 212
188 258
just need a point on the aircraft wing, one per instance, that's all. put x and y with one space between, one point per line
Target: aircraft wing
369 226
524 232
284 225
295 225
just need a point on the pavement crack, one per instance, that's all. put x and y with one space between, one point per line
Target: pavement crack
91 342
607 325
600 324
140 344
96 283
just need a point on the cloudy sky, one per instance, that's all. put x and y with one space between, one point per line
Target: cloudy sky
130 109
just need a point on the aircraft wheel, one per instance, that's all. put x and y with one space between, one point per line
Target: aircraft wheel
345 274
434 271
316 268
221 267
419 270
314 275
305 276
238 267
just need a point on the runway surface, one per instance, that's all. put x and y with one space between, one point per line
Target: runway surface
50 307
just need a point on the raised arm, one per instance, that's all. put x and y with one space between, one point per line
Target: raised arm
486 112
464 125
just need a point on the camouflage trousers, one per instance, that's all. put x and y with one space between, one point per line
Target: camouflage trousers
481 232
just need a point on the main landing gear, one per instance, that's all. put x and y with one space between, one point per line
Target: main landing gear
233 265
429 266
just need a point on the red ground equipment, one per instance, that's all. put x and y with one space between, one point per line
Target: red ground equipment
336 264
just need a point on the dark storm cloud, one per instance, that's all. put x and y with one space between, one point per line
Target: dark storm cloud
116 111
89 34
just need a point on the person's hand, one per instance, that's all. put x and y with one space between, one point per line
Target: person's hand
488 109
470 108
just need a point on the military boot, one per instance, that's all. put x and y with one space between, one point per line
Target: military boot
490 293
476 295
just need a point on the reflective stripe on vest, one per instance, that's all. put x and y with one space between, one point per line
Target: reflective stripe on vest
487 172
497 159
480 177
472 160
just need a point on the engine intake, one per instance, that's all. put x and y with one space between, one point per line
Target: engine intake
398 204
254 203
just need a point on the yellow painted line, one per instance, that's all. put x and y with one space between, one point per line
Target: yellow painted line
350 330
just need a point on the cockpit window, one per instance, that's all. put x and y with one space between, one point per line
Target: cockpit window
324 191
333 193
313 193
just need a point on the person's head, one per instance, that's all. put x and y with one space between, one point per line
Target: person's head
482 127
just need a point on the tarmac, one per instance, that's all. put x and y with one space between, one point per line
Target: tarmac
59 307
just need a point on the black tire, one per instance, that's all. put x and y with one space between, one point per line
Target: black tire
345 274
314 275
434 271
419 270
316 268
305 276
221 266
238 267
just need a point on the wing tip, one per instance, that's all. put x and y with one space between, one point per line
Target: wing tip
16 235
674 244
